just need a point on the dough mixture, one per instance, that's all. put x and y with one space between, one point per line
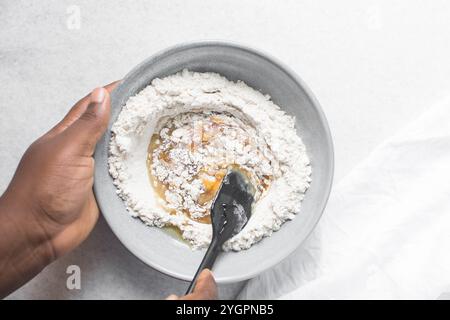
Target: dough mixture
173 142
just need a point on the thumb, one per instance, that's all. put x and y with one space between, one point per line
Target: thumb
205 288
85 132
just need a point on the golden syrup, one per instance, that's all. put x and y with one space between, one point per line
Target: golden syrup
211 178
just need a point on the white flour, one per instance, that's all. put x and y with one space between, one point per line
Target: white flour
205 123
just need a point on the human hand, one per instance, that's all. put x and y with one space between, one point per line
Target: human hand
49 207
53 182
205 288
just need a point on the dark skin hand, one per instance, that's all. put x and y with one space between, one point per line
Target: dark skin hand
49 207
205 288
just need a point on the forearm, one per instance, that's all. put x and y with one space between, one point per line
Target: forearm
24 246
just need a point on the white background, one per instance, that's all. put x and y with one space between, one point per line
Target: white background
373 65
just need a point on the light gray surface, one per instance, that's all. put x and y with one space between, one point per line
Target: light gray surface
156 247
374 65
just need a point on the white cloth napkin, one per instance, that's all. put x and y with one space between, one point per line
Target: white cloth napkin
386 231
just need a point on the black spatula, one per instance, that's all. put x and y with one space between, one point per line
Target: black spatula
229 214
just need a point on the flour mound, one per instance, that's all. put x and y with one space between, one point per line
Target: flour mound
259 137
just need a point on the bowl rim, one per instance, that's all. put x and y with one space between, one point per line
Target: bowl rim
289 72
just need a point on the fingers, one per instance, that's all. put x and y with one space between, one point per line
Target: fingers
111 86
205 288
76 111
78 230
84 133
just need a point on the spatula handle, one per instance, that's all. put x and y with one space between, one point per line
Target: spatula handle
207 262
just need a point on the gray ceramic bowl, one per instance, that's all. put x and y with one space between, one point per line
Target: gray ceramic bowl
163 251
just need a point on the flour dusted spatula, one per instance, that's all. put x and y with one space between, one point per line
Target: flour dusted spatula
230 212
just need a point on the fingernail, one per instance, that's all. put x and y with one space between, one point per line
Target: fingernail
209 271
98 95
172 297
